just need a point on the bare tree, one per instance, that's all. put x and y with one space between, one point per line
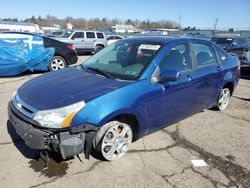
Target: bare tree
96 23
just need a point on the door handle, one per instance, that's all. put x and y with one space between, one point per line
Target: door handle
82 40
188 78
94 40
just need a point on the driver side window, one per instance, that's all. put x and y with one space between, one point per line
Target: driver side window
78 35
177 59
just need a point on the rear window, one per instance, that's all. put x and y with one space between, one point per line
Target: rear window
240 42
111 38
117 37
90 35
100 36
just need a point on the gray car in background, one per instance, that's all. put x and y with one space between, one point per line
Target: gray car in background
84 41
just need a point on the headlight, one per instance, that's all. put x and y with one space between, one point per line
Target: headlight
60 117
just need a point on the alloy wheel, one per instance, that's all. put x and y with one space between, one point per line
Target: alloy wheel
116 140
57 64
224 99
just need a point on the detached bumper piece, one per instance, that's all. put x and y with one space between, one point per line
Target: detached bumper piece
68 142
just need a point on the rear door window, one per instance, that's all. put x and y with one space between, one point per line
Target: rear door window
204 54
100 35
90 35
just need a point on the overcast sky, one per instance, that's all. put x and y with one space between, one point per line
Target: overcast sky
199 13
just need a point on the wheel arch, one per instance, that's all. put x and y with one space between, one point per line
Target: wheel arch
60 55
230 86
128 118
229 82
99 44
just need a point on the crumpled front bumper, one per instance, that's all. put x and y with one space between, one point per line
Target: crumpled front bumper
68 142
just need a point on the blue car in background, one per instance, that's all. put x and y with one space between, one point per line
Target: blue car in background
129 89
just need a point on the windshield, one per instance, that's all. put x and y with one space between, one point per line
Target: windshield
123 60
66 34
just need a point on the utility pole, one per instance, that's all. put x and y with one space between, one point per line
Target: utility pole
216 23
179 22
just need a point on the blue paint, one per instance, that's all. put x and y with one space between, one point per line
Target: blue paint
155 105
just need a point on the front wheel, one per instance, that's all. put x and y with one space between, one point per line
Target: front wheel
223 99
113 139
56 63
98 48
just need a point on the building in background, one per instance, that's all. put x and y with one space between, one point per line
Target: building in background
159 31
19 26
69 26
50 29
125 29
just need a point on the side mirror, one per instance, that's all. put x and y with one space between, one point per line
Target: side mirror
169 75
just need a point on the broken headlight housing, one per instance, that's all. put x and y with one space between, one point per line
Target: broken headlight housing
60 117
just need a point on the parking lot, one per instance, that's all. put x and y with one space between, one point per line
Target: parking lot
162 159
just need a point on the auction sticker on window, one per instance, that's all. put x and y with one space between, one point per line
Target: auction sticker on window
149 47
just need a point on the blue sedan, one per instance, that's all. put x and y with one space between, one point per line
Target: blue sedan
129 89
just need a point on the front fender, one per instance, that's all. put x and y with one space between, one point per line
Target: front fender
125 100
99 114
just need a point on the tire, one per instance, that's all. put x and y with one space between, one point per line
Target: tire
56 63
98 48
113 139
223 99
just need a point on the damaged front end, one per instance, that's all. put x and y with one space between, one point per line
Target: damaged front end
68 141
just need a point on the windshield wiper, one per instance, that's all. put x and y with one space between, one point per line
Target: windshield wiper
98 71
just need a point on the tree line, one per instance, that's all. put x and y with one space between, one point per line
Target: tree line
96 23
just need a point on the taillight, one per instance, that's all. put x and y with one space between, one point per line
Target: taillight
71 47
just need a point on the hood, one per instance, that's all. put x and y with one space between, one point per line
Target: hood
65 87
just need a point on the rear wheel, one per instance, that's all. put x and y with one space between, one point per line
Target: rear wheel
223 99
56 63
113 139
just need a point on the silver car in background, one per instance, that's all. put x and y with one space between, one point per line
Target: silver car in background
113 38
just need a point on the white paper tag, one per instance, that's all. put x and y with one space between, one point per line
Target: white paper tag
198 163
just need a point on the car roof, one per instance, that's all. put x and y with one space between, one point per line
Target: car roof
164 39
